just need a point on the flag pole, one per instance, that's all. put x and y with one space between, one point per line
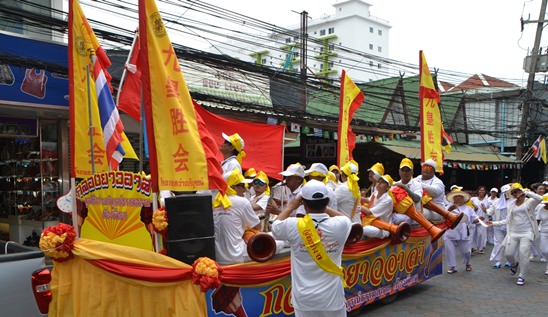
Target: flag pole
90 122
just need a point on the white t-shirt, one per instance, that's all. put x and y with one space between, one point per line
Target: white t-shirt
230 164
285 195
313 288
230 224
262 201
346 201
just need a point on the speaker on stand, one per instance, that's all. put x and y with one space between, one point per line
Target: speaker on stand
190 233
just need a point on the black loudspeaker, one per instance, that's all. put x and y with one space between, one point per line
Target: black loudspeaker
190 231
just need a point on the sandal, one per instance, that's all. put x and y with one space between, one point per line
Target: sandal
451 270
468 267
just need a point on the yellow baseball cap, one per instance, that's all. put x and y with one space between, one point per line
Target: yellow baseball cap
405 162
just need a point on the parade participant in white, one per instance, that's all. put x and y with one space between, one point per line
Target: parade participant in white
459 237
316 287
412 187
493 199
230 222
433 186
498 211
543 217
233 152
284 192
478 233
348 192
380 207
522 229
319 172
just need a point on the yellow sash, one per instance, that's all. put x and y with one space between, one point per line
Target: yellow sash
315 248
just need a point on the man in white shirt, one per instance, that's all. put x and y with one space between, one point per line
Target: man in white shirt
411 186
230 222
233 152
316 290
284 192
348 201
434 187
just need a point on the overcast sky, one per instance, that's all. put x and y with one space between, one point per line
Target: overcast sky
468 36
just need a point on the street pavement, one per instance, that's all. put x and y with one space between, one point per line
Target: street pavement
482 292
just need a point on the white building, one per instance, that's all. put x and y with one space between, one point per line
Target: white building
350 39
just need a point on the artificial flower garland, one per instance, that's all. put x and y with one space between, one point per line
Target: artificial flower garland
207 273
57 242
159 220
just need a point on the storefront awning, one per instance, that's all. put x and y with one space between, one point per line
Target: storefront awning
461 154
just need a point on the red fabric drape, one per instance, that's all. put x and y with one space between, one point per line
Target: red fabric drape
142 272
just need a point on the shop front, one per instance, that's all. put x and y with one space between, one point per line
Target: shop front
33 136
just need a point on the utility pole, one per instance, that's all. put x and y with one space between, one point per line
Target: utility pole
304 48
530 81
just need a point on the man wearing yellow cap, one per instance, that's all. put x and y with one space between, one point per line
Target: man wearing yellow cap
348 192
233 152
231 220
381 205
411 186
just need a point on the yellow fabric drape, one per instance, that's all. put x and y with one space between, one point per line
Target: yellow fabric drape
80 288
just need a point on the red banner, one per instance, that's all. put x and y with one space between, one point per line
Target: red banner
263 142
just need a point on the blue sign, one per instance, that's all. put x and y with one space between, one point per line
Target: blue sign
21 82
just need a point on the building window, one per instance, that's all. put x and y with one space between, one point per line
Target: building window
379 49
322 32
370 29
380 32
379 66
370 46
331 30
295 54
288 40
331 47
330 65
371 63
321 66
263 61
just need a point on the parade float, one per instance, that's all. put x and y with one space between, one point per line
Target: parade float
118 257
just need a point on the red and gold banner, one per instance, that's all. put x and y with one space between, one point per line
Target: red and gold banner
181 157
351 98
430 117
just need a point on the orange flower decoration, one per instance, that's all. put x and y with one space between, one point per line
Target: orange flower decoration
159 220
206 272
57 242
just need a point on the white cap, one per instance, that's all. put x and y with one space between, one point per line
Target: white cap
294 170
430 162
494 190
314 190
318 168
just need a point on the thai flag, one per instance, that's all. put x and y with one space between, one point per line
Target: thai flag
536 148
110 118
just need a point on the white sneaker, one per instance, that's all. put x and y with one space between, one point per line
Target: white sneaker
543 260
546 272
533 259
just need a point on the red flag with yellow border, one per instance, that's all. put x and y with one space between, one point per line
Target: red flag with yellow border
181 157
430 117
351 98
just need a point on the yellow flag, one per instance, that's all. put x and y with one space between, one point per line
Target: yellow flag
87 59
351 98
430 117
179 157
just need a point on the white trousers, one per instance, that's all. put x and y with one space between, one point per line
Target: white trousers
521 241
451 247
544 246
478 236
498 249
